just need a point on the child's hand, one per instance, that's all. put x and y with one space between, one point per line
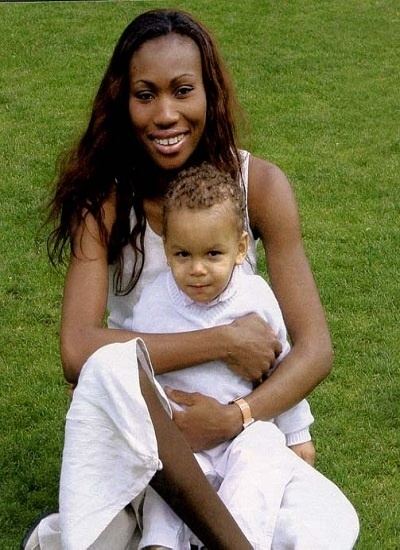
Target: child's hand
306 451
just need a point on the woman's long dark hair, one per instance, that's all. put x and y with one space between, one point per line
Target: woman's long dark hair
108 160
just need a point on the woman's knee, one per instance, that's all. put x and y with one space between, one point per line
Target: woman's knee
317 509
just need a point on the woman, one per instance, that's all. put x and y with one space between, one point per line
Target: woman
165 102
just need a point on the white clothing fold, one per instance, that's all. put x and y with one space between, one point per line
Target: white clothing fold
109 457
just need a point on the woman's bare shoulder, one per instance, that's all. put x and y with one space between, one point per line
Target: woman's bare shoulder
266 176
271 198
88 234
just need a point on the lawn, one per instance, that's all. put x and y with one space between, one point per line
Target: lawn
319 83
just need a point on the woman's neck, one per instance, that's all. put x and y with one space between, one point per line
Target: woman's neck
153 211
154 181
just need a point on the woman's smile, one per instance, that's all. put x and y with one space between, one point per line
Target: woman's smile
169 144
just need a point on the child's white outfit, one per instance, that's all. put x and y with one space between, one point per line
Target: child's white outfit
164 308
240 470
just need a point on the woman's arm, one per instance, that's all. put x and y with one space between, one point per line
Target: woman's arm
274 217
83 330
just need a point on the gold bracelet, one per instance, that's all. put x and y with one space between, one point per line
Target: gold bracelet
245 410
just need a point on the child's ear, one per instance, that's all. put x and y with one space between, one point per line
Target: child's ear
243 245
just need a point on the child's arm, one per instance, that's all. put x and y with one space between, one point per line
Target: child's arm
295 423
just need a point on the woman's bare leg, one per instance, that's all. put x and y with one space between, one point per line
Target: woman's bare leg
182 484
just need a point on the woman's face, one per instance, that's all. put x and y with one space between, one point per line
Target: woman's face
167 102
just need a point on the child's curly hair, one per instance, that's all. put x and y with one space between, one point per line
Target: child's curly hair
203 186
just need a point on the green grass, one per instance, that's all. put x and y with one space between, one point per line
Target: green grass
319 82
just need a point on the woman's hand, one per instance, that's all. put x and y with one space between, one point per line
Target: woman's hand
253 348
204 421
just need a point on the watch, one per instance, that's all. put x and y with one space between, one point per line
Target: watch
245 410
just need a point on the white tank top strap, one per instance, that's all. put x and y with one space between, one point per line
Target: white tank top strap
244 182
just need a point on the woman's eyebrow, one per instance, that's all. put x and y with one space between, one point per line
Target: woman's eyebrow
183 75
142 81
174 80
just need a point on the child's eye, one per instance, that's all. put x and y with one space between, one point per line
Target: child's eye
214 253
182 254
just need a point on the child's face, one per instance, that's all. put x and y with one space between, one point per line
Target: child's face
202 248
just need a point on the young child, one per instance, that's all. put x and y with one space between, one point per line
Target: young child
206 244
